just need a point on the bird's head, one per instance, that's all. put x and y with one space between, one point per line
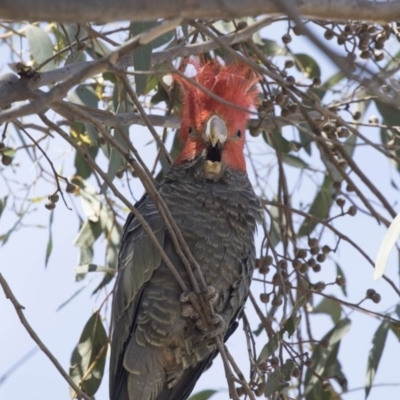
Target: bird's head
214 116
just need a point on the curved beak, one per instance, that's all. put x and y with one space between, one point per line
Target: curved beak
215 131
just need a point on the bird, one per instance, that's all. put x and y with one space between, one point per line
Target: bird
159 346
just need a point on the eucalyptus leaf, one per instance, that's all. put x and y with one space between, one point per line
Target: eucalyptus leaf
40 46
116 159
339 272
294 161
388 242
203 395
90 353
291 324
307 65
288 368
269 349
75 294
375 354
49 246
75 57
3 203
275 383
276 140
319 208
305 139
395 329
90 231
330 307
321 356
141 55
320 91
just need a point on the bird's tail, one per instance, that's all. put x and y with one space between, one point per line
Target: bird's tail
145 366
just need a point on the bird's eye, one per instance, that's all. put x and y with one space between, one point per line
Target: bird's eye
190 130
239 134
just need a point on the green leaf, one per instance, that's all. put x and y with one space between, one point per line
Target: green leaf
160 96
398 310
294 161
349 146
85 255
288 368
64 303
307 65
4 237
291 324
390 114
83 169
332 369
271 48
275 383
40 46
319 207
275 232
91 203
203 395
301 302
24 144
319 92
330 307
49 246
86 96
3 203
378 344
322 357
395 329
305 139
88 234
116 160
75 57
162 39
340 272
113 234
269 349
121 101
141 55
276 140
90 353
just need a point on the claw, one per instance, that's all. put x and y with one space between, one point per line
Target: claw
184 298
210 294
220 327
188 311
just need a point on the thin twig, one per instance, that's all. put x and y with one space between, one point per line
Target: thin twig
18 308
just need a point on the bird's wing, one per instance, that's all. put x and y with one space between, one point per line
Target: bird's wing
183 389
138 258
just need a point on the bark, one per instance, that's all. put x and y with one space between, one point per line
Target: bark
13 89
142 10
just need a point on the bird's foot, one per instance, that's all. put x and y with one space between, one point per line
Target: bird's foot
185 297
218 327
189 312
210 295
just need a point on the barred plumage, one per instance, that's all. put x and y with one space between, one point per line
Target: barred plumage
157 353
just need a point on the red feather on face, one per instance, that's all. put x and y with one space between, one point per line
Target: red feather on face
234 83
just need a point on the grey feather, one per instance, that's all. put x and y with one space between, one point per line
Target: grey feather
157 354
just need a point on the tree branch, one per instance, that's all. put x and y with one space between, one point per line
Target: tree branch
90 69
13 89
18 308
146 10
